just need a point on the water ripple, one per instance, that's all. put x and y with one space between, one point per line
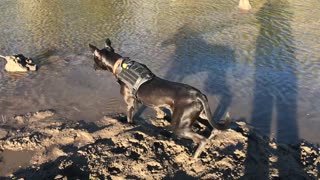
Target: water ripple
212 45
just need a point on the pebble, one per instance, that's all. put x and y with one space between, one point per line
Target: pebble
3 133
59 176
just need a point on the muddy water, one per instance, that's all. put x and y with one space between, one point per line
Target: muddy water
262 66
13 160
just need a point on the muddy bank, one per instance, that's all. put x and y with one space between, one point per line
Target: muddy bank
42 145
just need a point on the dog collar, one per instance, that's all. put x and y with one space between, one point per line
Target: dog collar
116 65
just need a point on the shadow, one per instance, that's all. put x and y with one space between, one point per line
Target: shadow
275 90
196 62
179 175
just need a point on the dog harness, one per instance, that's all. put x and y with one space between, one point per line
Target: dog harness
133 74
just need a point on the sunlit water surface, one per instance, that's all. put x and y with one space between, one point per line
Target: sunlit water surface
262 66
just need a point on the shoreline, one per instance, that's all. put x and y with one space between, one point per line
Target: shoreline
49 146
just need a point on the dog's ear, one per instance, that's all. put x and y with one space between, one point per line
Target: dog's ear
95 50
108 42
92 48
108 45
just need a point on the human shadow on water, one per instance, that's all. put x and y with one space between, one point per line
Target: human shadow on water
195 60
275 90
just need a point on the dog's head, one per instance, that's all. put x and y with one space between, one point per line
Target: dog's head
104 58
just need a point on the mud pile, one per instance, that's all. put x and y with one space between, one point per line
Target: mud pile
51 147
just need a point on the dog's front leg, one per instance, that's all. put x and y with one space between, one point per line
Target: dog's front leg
131 107
130 101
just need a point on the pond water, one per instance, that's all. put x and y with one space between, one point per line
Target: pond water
262 66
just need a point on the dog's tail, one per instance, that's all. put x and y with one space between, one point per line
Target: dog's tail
206 108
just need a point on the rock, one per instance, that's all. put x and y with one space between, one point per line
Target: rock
3 133
33 117
59 176
19 63
154 166
55 153
239 154
19 120
306 149
273 159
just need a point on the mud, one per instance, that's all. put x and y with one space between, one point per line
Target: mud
42 145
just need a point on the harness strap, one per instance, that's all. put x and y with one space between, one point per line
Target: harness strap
132 73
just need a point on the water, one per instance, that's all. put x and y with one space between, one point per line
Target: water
262 66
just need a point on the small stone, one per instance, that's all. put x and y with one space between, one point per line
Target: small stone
3 133
306 149
59 176
273 159
317 161
239 154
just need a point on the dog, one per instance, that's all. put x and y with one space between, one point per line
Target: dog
19 63
186 103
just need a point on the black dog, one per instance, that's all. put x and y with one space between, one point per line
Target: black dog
186 103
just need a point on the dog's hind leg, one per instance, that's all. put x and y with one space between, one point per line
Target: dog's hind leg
182 128
197 138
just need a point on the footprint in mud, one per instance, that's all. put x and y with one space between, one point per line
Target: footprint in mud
119 150
154 167
134 155
138 136
114 170
139 146
130 153
158 147
159 150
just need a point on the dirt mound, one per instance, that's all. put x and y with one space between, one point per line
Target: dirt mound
52 147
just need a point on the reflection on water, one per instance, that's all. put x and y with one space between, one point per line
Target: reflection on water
262 66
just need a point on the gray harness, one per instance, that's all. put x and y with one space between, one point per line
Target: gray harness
133 74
